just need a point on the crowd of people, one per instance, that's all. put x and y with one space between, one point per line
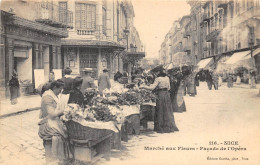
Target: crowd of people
169 86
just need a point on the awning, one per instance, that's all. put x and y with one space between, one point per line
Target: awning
205 63
255 52
237 57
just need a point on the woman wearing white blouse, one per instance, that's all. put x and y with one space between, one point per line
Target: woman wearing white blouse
163 119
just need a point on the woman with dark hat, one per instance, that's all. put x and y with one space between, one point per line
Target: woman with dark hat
76 95
14 88
163 119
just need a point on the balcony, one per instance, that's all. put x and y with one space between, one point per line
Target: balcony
223 4
205 17
98 32
205 47
186 34
212 35
53 15
248 15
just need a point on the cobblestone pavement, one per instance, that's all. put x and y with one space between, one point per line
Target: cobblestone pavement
227 114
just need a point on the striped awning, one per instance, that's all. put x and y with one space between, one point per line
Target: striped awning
205 63
236 57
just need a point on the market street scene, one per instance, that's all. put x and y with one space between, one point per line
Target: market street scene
106 82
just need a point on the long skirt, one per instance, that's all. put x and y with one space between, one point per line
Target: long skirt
230 83
178 103
191 87
56 132
163 118
14 93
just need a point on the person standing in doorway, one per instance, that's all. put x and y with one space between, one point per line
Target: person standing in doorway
14 88
103 81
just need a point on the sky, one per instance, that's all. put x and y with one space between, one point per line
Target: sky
154 18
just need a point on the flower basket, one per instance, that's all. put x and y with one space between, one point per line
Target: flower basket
77 131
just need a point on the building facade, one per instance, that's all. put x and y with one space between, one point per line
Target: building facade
217 29
102 33
31 41
230 27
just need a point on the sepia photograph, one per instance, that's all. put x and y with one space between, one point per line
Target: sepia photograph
129 82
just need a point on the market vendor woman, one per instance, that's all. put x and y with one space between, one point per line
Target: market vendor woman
163 119
52 130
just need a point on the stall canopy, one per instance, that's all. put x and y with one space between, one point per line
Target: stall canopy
205 63
255 52
236 57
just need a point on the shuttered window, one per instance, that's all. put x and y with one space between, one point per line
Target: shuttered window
63 12
104 18
85 16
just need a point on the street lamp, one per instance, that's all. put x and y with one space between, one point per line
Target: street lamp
126 31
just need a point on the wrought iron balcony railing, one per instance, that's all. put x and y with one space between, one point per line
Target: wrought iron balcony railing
99 32
212 35
223 3
54 15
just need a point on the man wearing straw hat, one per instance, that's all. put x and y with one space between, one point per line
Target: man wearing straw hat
88 81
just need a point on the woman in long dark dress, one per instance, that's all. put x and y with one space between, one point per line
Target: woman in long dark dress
163 119
177 91
14 89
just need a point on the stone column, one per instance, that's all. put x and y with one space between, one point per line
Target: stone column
46 60
36 53
10 58
111 65
41 61
54 58
59 57
99 62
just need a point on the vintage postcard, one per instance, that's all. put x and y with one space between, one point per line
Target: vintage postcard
144 82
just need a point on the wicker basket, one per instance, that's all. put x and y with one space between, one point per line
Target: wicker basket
79 132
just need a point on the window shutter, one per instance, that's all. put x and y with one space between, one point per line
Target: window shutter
77 15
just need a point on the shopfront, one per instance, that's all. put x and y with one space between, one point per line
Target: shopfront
85 54
29 46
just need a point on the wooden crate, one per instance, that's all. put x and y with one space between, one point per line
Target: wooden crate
116 141
133 125
88 151
146 114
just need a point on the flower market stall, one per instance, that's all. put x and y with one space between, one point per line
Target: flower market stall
105 120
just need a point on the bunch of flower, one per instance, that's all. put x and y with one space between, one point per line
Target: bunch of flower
102 112
73 111
130 98
147 96
89 94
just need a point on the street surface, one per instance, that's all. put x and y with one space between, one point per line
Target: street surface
212 117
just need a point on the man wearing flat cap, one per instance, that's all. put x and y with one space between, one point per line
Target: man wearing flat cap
103 81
